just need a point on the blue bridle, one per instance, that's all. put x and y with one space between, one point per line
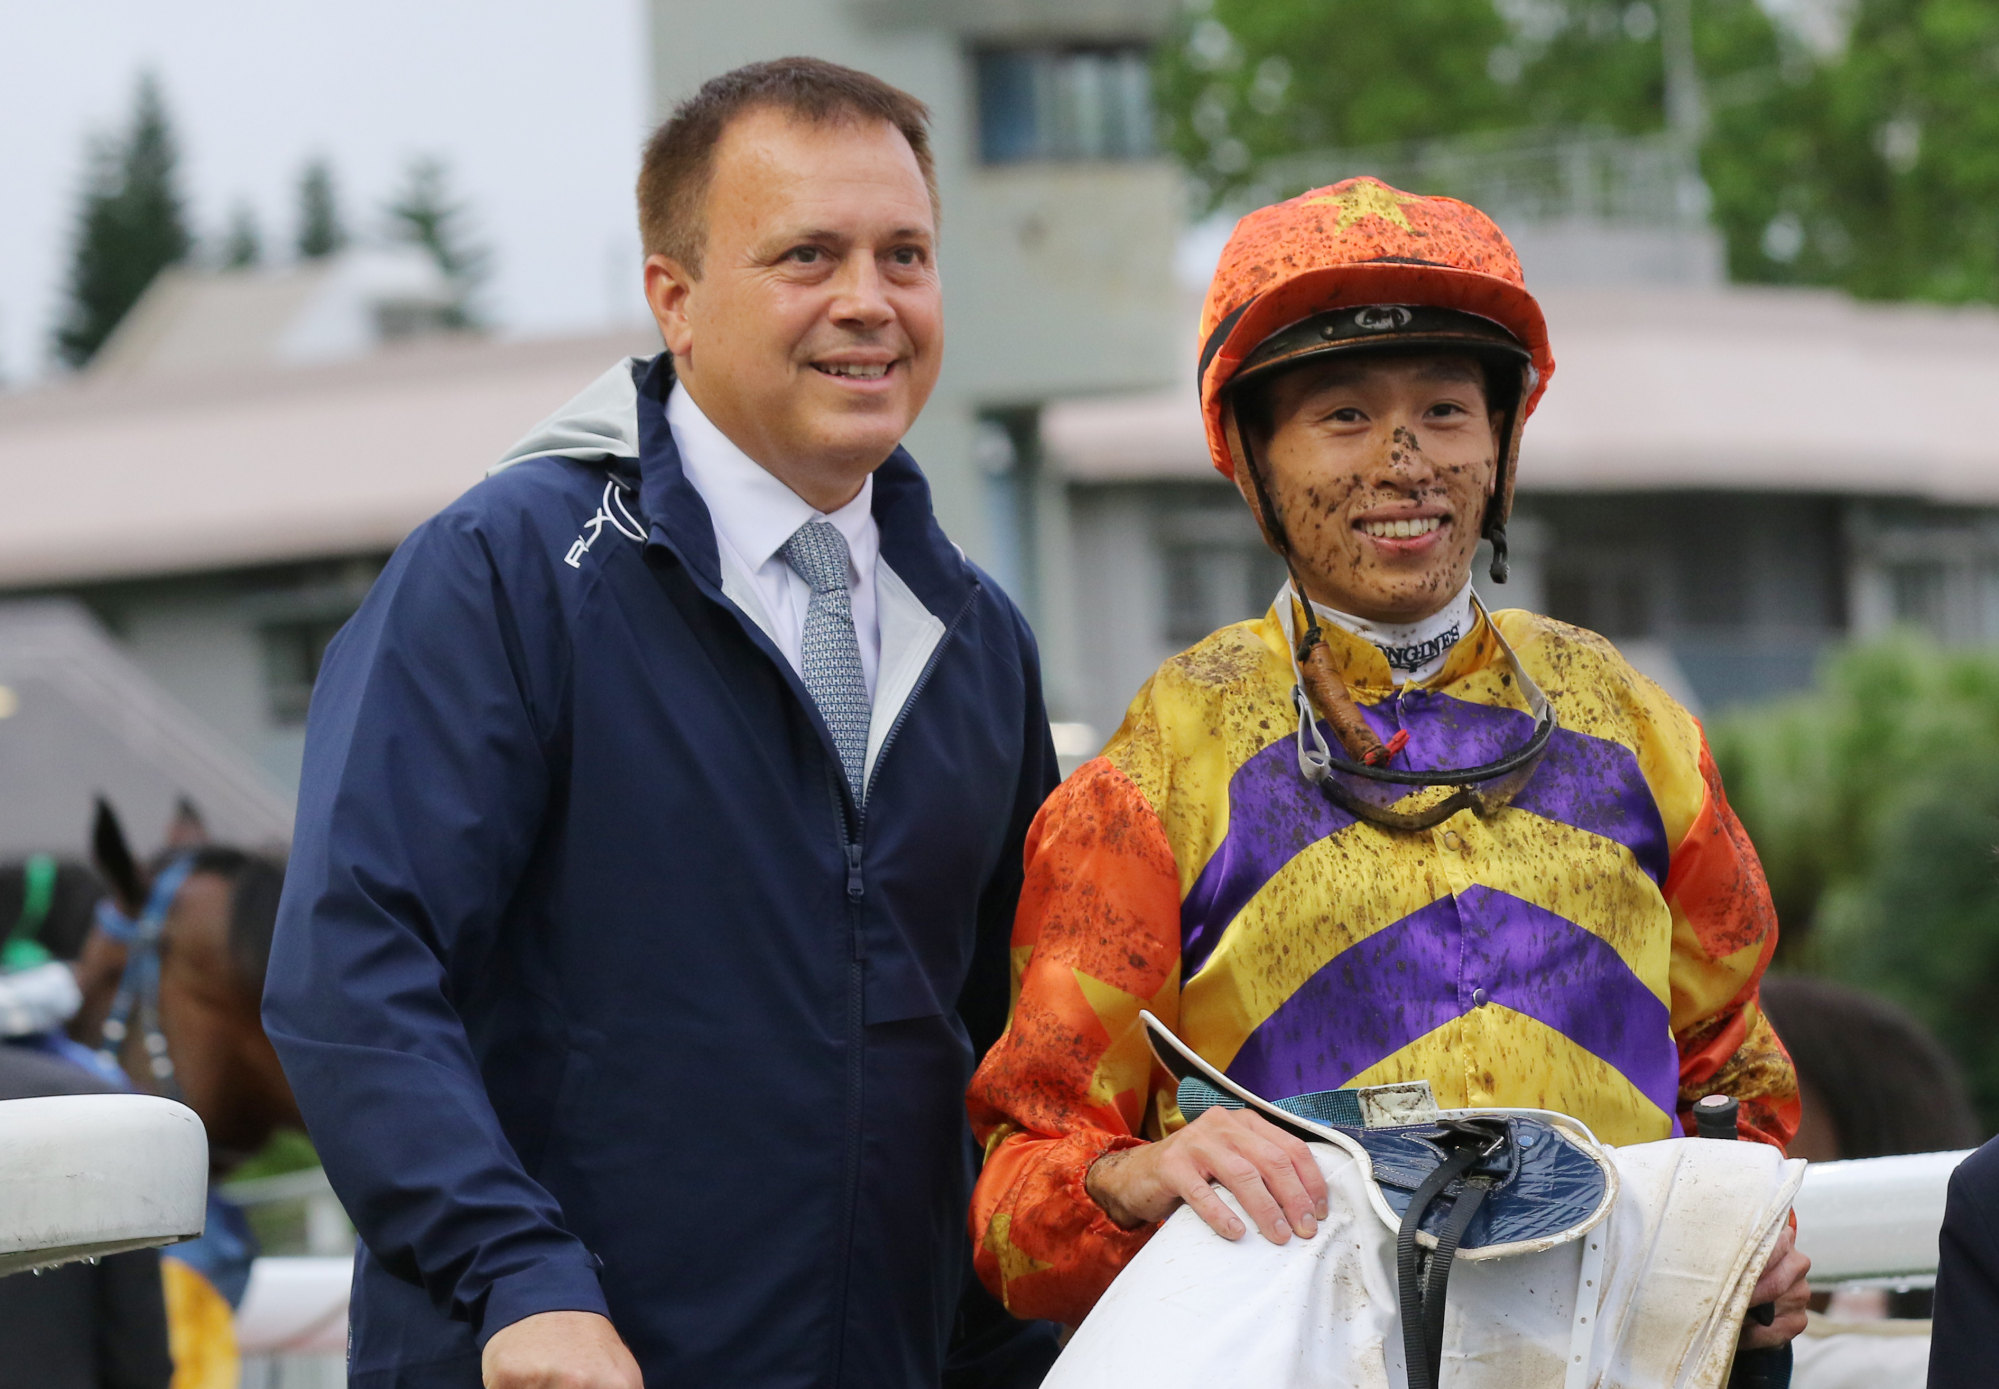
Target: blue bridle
139 985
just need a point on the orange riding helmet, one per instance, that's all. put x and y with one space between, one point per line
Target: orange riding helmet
1360 266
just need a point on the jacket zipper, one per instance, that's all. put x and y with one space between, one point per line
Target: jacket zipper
852 843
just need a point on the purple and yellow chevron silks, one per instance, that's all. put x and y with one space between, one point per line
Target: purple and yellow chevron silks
1589 783
1530 957
1408 979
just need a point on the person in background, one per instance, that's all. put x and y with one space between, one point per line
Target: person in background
99 1325
1872 1081
661 827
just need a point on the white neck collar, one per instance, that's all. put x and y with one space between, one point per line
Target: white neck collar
1414 650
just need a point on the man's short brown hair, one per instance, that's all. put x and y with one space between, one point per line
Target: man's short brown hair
680 157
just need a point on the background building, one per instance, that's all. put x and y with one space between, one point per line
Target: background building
1724 480
219 528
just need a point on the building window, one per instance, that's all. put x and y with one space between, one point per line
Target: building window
1210 584
292 655
1064 104
1607 594
1919 594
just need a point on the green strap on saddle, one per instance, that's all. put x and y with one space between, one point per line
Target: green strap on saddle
38 895
1333 1108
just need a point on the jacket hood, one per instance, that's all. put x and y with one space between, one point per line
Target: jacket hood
599 423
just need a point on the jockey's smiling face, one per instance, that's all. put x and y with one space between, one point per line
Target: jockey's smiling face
1380 468
812 330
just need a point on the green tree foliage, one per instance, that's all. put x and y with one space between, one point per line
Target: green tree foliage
1924 926
1874 168
320 232
1878 169
131 225
1245 82
426 212
242 244
1585 63
1874 805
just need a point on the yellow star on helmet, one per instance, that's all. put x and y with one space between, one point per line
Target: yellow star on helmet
1126 1063
1368 200
1014 1262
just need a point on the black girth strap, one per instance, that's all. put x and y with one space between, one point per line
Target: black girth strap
1422 1289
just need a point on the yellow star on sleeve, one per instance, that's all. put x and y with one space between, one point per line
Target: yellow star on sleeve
1368 199
1014 1262
1127 1061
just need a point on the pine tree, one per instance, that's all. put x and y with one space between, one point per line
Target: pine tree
243 245
425 212
132 225
319 230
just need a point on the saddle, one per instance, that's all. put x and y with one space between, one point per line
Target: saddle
1470 1184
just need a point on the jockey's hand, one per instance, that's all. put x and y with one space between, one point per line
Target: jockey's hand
1783 1282
559 1350
1271 1175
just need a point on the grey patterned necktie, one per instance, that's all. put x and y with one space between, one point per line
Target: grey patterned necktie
831 655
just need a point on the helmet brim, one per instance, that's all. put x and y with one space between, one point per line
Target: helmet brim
1234 342
1377 329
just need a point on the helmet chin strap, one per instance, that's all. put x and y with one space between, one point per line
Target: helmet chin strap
1322 684
1501 504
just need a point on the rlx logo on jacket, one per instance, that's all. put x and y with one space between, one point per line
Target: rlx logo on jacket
611 511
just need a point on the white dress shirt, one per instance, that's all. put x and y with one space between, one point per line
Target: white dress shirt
754 514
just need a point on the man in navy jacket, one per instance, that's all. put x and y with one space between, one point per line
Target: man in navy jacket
1964 1332
650 896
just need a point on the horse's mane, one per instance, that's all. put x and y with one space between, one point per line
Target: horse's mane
255 883
71 908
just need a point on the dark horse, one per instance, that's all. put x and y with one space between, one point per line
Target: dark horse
214 942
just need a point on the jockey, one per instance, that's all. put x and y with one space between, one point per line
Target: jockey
1381 836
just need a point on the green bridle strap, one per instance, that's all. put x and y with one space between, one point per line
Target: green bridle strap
38 895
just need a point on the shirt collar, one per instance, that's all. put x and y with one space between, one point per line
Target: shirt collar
1359 661
1413 650
752 509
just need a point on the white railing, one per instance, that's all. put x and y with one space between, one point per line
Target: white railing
1537 176
1874 1221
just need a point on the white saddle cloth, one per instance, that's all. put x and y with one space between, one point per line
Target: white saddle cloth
1691 1228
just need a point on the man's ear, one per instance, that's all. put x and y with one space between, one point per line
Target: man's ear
667 287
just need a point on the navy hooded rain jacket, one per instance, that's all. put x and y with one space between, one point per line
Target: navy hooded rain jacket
597 990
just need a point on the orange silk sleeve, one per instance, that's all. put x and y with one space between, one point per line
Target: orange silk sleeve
1724 931
1096 938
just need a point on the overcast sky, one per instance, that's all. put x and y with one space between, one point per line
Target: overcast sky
538 108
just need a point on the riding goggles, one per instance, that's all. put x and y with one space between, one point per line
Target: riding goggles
1377 794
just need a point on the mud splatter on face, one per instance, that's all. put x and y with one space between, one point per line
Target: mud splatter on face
1403 445
1381 470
